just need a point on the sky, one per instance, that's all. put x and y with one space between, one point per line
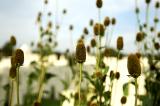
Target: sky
17 17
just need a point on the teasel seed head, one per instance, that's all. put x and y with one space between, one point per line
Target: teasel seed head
156 45
93 43
80 52
91 22
19 57
133 65
152 29
13 40
99 29
148 1
37 104
137 10
64 11
46 2
107 52
157 5
117 75
71 27
99 3
113 21
106 21
85 31
156 20
123 99
140 36
120 43
12 72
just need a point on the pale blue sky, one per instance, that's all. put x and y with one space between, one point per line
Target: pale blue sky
17 17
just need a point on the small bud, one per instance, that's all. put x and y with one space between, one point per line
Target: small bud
19 57
148 1
113 21
12 72
46 2
85 31
99 3
64 11
91 22
106 21
140 36
133 65
93 43
88 49
71 27
117 75
156 20
123 100
13 40
99 29
156 45
107 52
137 10
152 29
80 52
50 24
120 43
157 5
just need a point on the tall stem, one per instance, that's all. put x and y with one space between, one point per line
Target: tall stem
136 91
17 82
80 78
11 93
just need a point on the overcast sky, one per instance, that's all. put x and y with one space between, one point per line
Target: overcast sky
18 17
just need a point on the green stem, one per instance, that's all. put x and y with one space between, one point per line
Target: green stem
11 93
80 78
17 82
136 91
147 18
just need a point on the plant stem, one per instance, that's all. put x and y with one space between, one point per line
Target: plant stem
11 93
17 82
136 91
80 78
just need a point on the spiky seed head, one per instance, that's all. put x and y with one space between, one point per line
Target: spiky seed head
12 72
133 65
37 104
99 29
85 31
140 36
157 5
120 43
156 45
113 21
19 57
13 40
117 75
99 3
80 52
106 21
148 1
93 43
123 99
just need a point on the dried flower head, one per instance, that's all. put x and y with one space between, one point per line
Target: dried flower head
19 57
123 100
113 21
99 3
99 29
133 65
85 31
13 40
148 1
117 75
120 43
157 4
93 43
140 36
12 72
80 52
106 21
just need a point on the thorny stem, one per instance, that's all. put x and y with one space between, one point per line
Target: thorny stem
17 83
11 93
136 91
80 78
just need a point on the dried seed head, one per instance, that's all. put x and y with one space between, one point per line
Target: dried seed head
13 40
85 31
156 20
93 43
156 45
99 3
64 11
137 10
49 13
37 104
91 22
123 100
120 43
98 29
46 2
157 5
12 72
148 1
152 29
140 36
19 57
71 27
117 75
106 21
158 34
80 52
113 21
133 65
